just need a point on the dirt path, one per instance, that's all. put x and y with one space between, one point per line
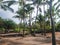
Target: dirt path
29 40
24 41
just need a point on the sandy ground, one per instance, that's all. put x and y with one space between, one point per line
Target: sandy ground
38 40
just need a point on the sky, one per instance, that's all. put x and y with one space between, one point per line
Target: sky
9 15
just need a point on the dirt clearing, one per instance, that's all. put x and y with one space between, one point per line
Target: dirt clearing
40 40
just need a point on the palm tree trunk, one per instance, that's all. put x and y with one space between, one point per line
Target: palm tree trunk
52 25
44 20
19 25
23 27
30 24
23 33
41 28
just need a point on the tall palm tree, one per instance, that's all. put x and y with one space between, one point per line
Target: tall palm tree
52 15
29 10
44 17
21 15
52 22
37 4
21 12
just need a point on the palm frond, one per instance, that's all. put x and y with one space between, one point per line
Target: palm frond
6 8
16 16
28 8
57 6
10 2
40 10
58 10
55 3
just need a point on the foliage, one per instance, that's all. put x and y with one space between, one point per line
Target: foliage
58 26
6 5
9 24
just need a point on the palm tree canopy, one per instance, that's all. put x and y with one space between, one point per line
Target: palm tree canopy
21 14
28 8
40 18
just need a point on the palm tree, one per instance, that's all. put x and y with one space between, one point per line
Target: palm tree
21 15
37 4
52 22
52 13
21 12
40 19
44 17
29 12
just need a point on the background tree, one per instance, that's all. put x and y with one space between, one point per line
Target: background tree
1 23
9 24
29 12
40 19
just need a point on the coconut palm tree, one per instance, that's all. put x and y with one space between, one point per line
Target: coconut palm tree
44 17
21 12
21 15
53 12
37 3
29 12
52 22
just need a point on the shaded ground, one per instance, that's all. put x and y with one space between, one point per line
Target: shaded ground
39 40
